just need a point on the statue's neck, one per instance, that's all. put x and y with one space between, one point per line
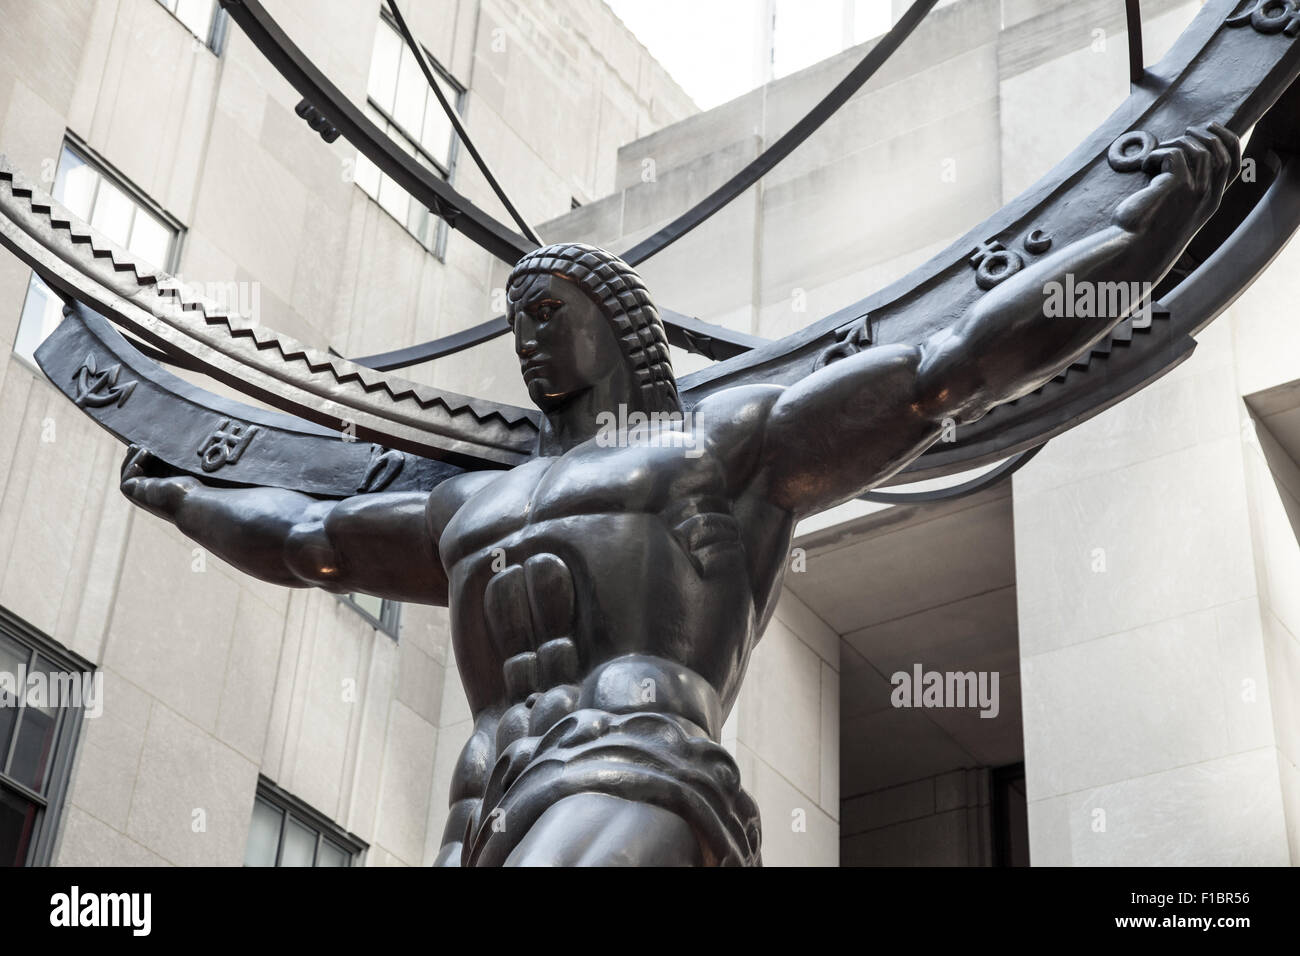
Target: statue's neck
572 423
581 418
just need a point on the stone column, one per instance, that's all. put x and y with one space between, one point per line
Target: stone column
1151 734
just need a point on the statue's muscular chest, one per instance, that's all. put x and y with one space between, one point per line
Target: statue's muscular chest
571 549
562 496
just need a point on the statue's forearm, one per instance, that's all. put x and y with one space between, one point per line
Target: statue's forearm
248 527
1027 329
891 401
378 544
1024 331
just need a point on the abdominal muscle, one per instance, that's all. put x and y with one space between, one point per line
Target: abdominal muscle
544 606
531 655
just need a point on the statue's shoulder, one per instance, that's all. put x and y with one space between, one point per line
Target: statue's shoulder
738 410
448 497
732 420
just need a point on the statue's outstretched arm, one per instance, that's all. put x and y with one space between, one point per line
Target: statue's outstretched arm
853 423
378 544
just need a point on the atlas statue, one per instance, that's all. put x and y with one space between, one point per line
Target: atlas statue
605 596
610 557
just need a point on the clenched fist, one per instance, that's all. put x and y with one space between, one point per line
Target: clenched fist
1190 175
160 496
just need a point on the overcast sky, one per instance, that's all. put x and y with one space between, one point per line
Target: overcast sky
711 46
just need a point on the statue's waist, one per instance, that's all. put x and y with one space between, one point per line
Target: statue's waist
628 684
645 683
653 758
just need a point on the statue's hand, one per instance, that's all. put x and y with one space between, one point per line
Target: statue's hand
159 495
1190 175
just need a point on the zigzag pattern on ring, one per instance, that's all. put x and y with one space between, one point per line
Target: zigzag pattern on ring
149 283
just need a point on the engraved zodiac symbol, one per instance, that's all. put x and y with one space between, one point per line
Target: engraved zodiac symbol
226 443
98 389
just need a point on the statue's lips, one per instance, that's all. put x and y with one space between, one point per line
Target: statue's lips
534 367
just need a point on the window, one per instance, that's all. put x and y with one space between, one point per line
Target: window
287 832
380 612
113 208
399 101
204 18
43 694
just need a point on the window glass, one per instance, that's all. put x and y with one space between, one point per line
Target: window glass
369 603
12 658
112 213
197 16
408 108
33 746
392 196
284 832
111 210
74 186
17 827
263 835
401 104
384 59
42 311
435 135
422 224
150 238
331 855
299 845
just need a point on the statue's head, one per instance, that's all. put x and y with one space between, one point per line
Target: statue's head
583 319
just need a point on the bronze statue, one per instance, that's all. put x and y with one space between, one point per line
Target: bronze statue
606 594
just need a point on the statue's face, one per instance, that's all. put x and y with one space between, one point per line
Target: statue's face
565 346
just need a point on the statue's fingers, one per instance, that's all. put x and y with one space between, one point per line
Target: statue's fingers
137 489
133 463
172 491
1222 167
1217 147
1198 159
161 494
1232 141
1167 159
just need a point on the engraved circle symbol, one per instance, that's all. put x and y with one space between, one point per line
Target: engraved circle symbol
996 267
1129 152
1273 16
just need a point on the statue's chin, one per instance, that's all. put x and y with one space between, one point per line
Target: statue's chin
537 390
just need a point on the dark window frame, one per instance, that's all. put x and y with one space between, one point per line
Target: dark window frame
390 614
67 735
297 809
